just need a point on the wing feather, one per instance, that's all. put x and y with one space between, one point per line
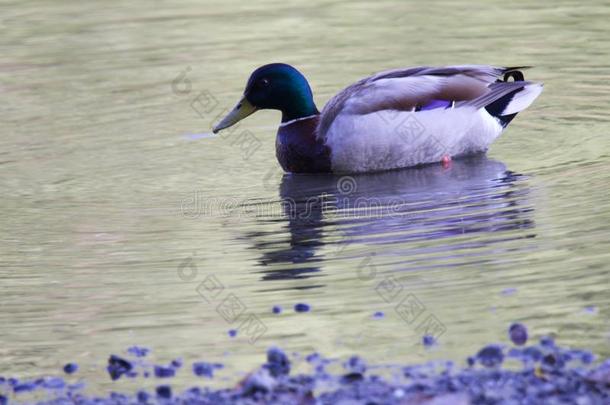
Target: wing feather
496 91
405 89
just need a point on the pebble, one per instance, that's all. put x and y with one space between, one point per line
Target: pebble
164 391
490 356
24 387
118 398
517 333
278 363
428 340
138 351
302 307
587 357
118 366
257 383
355 364
203 369
312 357
351 378
547 341
142 396
532 353
164 371
552 362
70 368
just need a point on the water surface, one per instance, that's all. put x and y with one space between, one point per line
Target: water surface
117 203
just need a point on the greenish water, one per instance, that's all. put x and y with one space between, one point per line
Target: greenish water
117 204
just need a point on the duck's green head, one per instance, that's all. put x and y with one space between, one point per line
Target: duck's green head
276 86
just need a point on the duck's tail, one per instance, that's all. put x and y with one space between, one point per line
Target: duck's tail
512 100
505 99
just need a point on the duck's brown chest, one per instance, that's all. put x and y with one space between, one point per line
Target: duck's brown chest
298 150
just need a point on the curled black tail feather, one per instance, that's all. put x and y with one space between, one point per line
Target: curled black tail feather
517 76
515 73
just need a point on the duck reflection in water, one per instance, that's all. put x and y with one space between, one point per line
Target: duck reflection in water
391 211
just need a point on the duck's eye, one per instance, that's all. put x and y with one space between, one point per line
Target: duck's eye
264 82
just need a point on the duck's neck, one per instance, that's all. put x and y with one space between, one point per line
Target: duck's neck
300 106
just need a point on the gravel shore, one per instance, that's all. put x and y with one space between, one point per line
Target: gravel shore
547 374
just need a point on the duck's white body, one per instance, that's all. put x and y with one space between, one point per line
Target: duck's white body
375 126
389 139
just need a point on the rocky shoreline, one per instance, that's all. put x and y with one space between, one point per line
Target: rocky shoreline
548 374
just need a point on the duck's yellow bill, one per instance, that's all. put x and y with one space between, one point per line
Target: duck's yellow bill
238 113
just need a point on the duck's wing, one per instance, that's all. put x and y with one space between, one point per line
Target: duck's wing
407 89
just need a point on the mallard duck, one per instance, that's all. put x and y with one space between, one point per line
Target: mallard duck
394 119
